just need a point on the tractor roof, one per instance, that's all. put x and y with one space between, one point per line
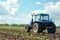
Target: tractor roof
42 14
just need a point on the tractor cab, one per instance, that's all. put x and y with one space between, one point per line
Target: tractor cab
44 18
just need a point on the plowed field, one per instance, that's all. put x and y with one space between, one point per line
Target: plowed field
18 33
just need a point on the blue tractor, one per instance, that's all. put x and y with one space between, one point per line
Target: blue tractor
41 22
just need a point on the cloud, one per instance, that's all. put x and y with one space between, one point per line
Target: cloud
3 11
7 11
10 5
53 9
9 20
39 11
38 3
23 19
0 17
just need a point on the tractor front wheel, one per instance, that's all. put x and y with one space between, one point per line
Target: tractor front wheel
27 28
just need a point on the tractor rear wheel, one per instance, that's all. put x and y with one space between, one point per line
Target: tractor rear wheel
37 28
27 28
52 29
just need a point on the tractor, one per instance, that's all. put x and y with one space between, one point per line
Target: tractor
40 22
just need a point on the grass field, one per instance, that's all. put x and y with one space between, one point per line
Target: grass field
18 33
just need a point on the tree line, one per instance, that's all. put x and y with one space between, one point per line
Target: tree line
12 24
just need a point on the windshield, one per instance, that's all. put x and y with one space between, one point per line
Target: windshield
44 17
40 18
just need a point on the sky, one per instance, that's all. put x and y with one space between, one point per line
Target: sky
19 11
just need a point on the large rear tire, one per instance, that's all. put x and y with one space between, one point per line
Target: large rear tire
37 28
